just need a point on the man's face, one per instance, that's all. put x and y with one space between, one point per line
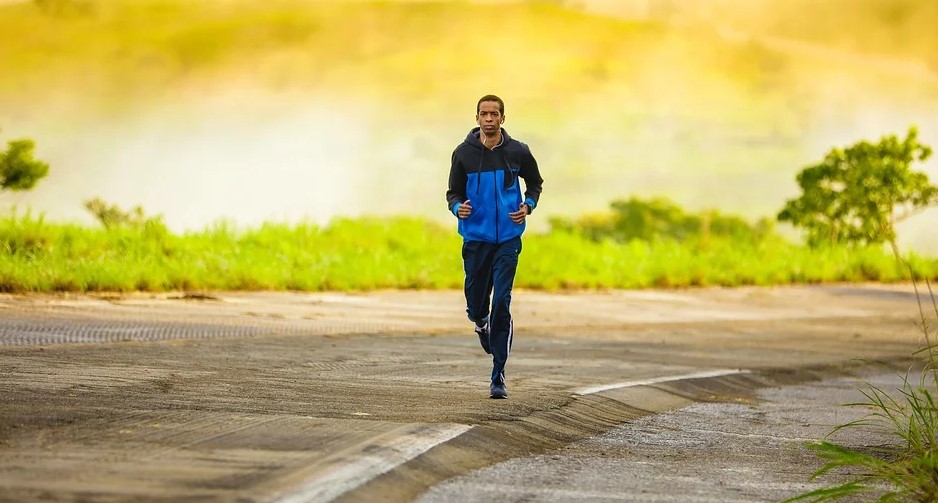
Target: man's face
489 117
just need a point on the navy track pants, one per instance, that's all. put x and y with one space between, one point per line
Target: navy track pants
490 273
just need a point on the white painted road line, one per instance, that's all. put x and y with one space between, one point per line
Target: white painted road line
657 380
355 469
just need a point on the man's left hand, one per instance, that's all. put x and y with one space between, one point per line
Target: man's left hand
518 216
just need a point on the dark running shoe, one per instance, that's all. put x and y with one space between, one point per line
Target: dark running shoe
497 390
483 333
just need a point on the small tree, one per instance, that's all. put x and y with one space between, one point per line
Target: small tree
858 194
113 216
19 170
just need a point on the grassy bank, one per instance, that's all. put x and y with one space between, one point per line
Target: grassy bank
365 254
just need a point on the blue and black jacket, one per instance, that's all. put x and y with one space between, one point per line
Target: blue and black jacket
489 180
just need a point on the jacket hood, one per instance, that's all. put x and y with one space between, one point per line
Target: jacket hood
473 137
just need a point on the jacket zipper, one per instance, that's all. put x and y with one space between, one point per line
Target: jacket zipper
495 186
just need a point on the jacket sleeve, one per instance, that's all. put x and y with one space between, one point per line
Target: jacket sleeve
532 178
456 194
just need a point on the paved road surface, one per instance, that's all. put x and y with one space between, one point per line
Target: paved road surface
715 452
380 397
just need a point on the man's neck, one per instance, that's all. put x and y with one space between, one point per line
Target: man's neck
490 142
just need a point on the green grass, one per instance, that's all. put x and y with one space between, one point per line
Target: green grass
371 253
347 255
910 473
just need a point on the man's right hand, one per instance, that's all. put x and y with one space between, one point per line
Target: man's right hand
464 210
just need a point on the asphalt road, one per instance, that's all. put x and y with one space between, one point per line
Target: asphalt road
715 452
383 396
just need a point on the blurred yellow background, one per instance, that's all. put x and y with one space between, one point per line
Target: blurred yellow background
292 110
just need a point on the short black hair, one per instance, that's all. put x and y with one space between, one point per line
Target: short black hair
491 97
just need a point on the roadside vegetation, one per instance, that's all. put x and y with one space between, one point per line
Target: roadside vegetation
906 417
849 206
375 253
